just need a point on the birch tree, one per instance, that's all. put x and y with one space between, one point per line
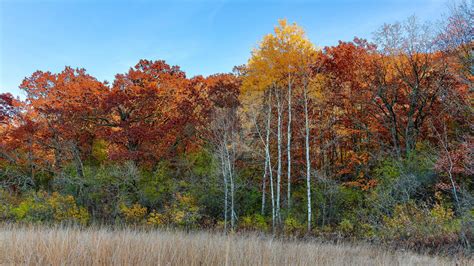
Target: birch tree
310 86
223 134
276 64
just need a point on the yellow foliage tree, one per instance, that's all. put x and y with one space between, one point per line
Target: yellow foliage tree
281 62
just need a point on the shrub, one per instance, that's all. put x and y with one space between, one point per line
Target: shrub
335 201
253 222
346 227
365 230
99 150
419 226
401 181
42 207
183 212
156 187
66 209
4 211
134 214
293 226
6 203
156 219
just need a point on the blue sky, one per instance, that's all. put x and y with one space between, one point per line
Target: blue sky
202 37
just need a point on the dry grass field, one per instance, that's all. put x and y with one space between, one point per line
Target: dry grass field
72 246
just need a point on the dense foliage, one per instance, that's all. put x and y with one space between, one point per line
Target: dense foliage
360 140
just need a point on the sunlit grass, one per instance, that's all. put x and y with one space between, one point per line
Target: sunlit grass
94 246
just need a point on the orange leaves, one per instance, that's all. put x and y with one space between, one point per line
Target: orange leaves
223 90
55 116
142 116
361 102
363 184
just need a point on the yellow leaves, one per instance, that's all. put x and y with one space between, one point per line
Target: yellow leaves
280 56
155 219
440 212
133 214
44 207
183 212
342 131
316 86
185 199
412 221
65 209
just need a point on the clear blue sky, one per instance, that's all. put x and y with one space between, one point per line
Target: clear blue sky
202 37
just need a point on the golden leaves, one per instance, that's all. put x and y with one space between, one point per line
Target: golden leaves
279 58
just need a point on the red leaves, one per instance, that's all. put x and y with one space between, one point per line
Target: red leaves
150 111
148 114
223 90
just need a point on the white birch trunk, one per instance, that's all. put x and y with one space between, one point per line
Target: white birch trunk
308 161
264 180
279 109
224 174
267 152
231 180
288 146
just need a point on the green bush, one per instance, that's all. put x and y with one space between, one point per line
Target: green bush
346 227
418 225
183 212
156 187
335 201
293 227
7 202
401 181
253 222
44 207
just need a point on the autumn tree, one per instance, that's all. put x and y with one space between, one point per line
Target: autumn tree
349 130
7 108
281 61
410 75
145 114
61 105
222 132
455 39
451 124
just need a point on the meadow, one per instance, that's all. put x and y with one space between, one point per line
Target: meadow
36 245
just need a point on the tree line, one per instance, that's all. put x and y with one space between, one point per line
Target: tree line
357 138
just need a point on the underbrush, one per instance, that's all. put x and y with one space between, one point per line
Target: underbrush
423 229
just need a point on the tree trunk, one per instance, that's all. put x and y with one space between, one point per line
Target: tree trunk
288 145
231 179
267 154
264 180
77 160
279 110
308 161
224 175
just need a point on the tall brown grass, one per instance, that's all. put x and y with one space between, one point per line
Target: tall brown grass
100 246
